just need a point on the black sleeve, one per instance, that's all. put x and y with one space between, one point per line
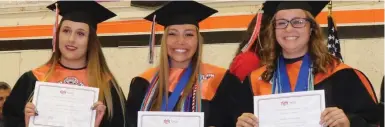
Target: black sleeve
13 109
138 87
248 102
117 119
231 99
348 92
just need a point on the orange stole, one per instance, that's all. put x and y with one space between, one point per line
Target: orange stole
211 78
62 75
261 87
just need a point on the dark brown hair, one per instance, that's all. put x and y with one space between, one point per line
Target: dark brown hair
4 86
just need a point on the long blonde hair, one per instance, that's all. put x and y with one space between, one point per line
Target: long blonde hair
317 48
98 73
164 68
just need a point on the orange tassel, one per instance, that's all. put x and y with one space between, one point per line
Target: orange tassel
255 33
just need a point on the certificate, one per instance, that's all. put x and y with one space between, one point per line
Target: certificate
295 109
170 119
63 105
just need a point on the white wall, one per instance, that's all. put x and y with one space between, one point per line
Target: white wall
127 62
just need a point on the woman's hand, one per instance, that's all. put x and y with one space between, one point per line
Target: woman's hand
247 120
334 117
29 110
100 110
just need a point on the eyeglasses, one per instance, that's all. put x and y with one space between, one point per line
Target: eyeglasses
296 23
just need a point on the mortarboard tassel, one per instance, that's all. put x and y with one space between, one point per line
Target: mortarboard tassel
152 41
255 31
55 25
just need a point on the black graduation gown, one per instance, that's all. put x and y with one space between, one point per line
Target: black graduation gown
221 111
13 109
345 88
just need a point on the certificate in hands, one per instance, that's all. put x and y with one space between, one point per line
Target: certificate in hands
295 109
170 119
63 105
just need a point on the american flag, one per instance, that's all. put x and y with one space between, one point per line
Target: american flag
333 40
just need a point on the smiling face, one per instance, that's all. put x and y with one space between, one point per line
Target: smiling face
73 40
182 42
292 39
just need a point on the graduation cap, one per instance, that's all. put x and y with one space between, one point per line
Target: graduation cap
89 12
181 12
314 7
176 13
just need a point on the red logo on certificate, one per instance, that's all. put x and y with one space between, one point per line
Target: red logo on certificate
166 121
63 92
284 103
